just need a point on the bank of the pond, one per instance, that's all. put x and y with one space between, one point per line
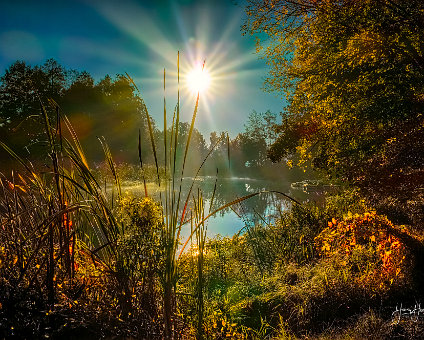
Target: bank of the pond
261 209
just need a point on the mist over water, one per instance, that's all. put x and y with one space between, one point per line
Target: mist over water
260 209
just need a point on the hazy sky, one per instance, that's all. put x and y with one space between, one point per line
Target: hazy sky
142 38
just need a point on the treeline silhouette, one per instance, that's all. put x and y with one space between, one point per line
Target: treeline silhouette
112 108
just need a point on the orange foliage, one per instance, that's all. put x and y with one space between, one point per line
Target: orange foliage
367 232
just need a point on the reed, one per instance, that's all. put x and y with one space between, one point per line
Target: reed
172 199
46 216
175 208
50 219
199 214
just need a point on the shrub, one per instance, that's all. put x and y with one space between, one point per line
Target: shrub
368 245
140 255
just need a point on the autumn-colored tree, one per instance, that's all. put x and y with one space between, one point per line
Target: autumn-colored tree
353 72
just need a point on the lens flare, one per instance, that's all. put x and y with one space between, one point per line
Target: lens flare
198 79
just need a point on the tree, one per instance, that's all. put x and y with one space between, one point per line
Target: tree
22 87
253 140
352 70
20 106
270 125
110 108
197 148
18 96
54 79
219 157
253 150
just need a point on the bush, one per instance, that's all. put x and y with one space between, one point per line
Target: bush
316 266
140 255
367 244
291 239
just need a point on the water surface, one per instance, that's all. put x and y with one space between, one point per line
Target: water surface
263 208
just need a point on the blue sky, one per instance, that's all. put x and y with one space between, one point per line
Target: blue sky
142 38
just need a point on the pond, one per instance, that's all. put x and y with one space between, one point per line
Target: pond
263 208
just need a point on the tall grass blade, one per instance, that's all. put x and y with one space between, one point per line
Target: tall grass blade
152 140
214 191
111 164
165 148
197 174
75 140
141 162
228 151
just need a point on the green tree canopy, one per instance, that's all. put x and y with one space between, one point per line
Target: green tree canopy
111 108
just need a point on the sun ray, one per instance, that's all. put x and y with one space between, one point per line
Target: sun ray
198 38
127 16
198 79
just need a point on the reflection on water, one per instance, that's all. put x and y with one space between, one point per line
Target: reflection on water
263 208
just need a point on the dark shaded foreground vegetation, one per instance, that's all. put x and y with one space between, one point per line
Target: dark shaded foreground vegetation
80 259
85 269
76 262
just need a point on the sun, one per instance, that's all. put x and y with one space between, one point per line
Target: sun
198 79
